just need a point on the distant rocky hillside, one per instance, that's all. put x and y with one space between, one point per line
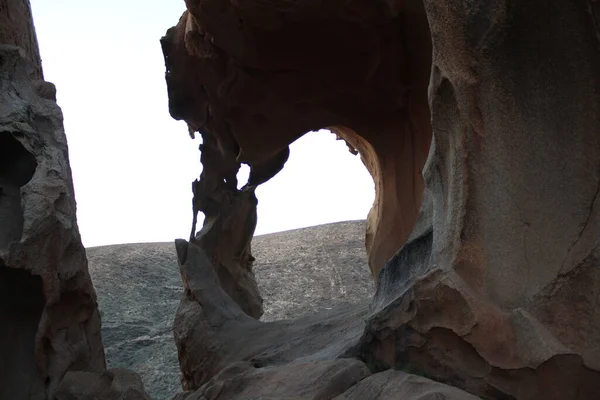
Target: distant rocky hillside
139 288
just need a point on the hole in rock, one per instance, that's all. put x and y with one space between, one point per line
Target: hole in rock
318 262
17 167
322 182
243 175
21 305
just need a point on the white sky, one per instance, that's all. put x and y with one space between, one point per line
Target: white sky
132 163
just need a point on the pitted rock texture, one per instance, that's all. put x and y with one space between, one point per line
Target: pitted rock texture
485 117
49 321
225 354
299 272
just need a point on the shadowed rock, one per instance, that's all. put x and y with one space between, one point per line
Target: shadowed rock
49 321
225 354
139 288
483 116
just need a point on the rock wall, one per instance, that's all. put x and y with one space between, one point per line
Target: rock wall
480 123
503 288
49 320
48 315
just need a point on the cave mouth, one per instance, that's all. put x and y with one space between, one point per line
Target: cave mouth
17 166
311 226
321 183
21 306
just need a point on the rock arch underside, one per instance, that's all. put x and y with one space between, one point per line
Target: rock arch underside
480 124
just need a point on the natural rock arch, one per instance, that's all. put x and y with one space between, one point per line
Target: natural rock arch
251 100
467 220
496 288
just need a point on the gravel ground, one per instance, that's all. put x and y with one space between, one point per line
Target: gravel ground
139 287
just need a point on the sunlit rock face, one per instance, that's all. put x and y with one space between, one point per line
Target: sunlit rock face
480 124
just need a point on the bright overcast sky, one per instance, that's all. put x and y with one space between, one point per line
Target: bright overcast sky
132 163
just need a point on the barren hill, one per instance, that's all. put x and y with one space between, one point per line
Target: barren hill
139 288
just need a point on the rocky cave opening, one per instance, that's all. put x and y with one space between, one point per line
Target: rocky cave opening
17 167
322 182
317 205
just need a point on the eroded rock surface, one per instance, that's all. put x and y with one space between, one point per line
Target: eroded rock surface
112 384
496 289
252 78
49 320
479 300
212 331
299 272
226 354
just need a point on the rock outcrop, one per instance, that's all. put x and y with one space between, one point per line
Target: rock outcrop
299 272
49 320
227 355
48 315
485 117
480 124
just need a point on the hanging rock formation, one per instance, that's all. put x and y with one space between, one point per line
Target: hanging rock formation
49 320
254 78
480 124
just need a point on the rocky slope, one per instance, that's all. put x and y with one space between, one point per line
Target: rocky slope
139 288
